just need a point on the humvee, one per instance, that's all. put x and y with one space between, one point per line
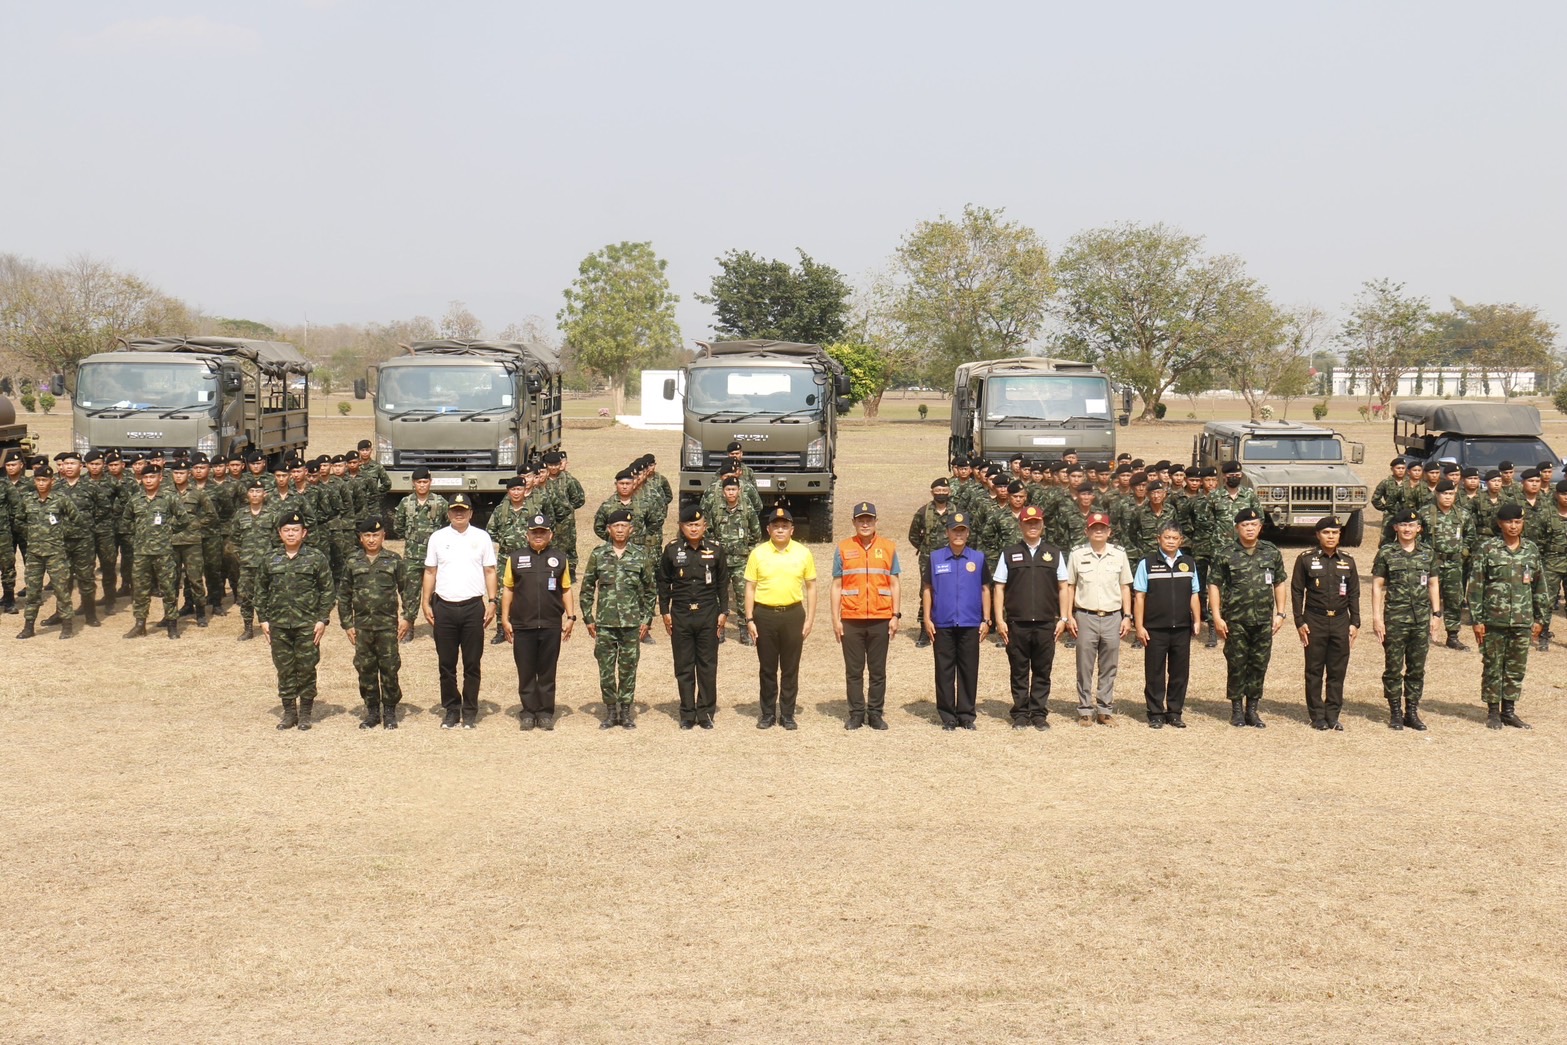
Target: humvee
1299 471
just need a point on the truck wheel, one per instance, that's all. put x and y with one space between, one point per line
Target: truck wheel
818 520
1354 530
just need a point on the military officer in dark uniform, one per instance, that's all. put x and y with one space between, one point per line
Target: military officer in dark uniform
538 609
693 598
1325 598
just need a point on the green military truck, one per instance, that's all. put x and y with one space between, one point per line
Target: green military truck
780 401
218 395
470 411
1476 435
1036 407
1300 472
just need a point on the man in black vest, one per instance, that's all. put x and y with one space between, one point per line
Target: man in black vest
1029 579
693 597
538 608
1167 607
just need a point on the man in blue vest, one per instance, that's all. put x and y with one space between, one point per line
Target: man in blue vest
955 594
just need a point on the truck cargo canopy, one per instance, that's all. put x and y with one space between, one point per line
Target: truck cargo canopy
538 355
1439 415
273 358
776 348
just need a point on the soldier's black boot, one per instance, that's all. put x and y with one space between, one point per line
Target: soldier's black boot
499 638
1493 716
248 634
1395 714
628 716
8 600
215 607
189 609
611 716
51 620
1545 642
1237 716
201 616
138 630
1453 643
1252 718
107 604
1213 637
389 717
290 719
27 631
90 610
1510 717
372 716
1412 716
174 628
65 630
305 704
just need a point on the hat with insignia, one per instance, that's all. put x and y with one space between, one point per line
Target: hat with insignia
553 457
625 474
255 484
1328 522
365 444
1471 473
1155 484
1031 514
1492 474
1509 511
780 515
864 508
940 480
254 455
92 455
43 470
619 515
730 480
692 513
420 473
1406 516
460 500
1528 473
181 464
959 520
290 519
1247 515
1230 467
372 525
540 522
1561 487
1014 487
1097 519
1505 466
516 481
1445 485
1086 488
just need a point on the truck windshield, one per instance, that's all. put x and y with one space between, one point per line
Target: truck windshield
1488 453
443 389
1047 397
1300 448
145 386
752 390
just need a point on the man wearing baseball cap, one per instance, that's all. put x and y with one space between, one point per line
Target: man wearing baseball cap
1030 584
1098 608
865 613
458 600
780 604
955 590
538 610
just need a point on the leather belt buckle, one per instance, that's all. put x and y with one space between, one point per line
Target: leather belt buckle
693 607
1332 613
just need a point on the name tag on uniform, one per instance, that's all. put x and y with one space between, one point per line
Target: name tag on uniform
1425 578
552 584
1343 586
55 522
525 560
1267 576
943 567
157 519
1017 556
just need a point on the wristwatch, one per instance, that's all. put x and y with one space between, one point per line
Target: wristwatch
897 616
571 618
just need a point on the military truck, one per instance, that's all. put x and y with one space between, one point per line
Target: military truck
470 411
1034 406
780 401
1299 471
218 395
1476 435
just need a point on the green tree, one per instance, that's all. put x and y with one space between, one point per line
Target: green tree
1147 305
970 289
222 326
1388 334
867 370
1266 353
753 297
619 314
1495 339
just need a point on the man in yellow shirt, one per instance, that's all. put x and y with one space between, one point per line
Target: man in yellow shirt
780 604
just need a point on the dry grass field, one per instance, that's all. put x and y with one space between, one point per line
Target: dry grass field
177 870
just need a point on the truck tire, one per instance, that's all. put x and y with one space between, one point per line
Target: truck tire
818 520
1354 530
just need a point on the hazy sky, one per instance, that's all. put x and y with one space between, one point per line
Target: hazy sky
369 160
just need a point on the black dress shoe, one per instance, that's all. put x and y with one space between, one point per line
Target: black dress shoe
967 725
922 642
787 723
1319 725
706 722
766 722
1337 727
1019 723
527 723
855 721
1156 723
1175 721
450 721
876 721
687 725
948 727
1040 723
547 723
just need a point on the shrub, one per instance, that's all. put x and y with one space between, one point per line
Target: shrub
1560 398
46 401
1319 410
923 411
344 408
29 402
1365 412
1159 411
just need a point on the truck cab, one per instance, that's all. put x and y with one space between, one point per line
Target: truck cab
1476 435
1036 407
1300 472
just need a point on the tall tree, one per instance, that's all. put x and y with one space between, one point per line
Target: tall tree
1146 304
1500 340
459 323
1267 353
619 314
753 297
970 289
1387 335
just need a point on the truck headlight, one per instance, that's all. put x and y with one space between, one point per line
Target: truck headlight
207 444
1341 493
506 452
383 451
816 453
691 453
1279 493
81 443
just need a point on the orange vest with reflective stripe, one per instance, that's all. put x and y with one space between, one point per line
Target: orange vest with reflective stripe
867 579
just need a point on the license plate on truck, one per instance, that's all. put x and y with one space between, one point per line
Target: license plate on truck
446 480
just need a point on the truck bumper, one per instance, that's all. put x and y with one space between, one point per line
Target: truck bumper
768 484
484 482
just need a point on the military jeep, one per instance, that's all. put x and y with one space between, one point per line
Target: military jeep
1299 471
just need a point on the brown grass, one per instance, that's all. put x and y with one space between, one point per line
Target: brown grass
175 869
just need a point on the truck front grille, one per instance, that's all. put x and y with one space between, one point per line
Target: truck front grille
761 461
1311 495
446 460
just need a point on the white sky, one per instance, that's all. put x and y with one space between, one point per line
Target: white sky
359 160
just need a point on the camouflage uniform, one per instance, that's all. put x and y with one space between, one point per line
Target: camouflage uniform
639 507
189 568
1222 509
927 532
1406 617
367 602
111 498
341 528
1449 535
623 588
1552 539
7 553
1246 581
1507 594
49 525
292 596
253 536
1002 530
414 522
151 523
736 530
569 496
214 539
1070 528
1142 539
81 542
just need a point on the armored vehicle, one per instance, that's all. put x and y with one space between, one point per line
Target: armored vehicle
1476 435
1299 471
1036 407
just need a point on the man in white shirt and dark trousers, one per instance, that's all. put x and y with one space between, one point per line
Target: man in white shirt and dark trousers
459 601
1097 609
1169 614
1030 581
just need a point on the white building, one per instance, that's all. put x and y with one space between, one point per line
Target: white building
1434 383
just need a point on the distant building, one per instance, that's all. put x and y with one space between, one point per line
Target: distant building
1457 382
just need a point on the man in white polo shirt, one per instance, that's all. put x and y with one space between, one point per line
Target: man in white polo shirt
459 600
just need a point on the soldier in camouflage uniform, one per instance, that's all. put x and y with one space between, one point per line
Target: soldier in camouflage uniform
202 477
569 496
189 568
1552 539
526 496
418 515
1509 601
81 545
111 496
341 527
713 496
150 518
1406 597
1247 594
14 540
1142 537
1001 529
293 602
252 532
967 491
7 551
1069 528
619 595
736 529
625 498
372 582
48 519
927 532
1449 531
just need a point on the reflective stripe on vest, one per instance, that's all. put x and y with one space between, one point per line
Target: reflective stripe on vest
866 589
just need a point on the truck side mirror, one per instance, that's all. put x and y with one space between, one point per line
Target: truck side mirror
842 404
840 385
1126 400
232 382
669 388
57 385
534 386
361 388
1357 453
1124 420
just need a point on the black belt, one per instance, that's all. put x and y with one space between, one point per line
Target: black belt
692 607
777 609
1099 613
1032 623
1324 613
458 602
